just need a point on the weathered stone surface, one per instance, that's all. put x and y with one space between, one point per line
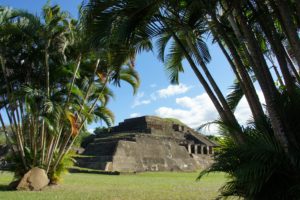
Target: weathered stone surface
148 144
203 161
149 154
34 180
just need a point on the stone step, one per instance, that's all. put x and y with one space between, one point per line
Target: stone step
107 140
92 171
100 149
94 165
94 159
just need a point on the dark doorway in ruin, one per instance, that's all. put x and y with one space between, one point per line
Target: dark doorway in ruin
210 150
193 149
199 150
205 150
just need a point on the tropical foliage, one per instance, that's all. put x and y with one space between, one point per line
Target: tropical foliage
53 83
260 39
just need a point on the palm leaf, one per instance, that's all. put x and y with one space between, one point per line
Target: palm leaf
235 96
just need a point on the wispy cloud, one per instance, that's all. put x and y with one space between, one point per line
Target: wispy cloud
132 115
138 100
171 90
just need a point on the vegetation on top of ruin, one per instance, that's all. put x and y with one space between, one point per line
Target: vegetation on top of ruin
175 121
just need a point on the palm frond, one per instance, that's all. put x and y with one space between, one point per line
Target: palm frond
174 63
104 114
235 96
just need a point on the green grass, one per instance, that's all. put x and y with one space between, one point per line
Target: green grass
156 186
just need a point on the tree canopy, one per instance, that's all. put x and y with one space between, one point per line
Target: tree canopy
260 40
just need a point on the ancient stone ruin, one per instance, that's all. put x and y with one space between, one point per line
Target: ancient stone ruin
148 143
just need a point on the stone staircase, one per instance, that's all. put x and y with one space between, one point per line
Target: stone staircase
97 155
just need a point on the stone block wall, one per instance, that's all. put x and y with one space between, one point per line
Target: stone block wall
150 154
203 161
146 124
148 143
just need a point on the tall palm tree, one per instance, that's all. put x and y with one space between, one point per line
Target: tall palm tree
46 118
157 20
248 32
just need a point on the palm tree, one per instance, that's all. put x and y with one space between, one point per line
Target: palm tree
46 118
156 24
260 169
290 28
247 32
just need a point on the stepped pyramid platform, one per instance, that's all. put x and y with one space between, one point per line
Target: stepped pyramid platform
148 143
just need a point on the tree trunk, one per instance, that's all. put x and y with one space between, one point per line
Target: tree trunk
297 13
214 85
289 26
249 90
47 68
266 83
12 119
247 87
292 66
278 75
267 26
237 134
6 135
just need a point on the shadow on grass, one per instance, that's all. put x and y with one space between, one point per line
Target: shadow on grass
4 187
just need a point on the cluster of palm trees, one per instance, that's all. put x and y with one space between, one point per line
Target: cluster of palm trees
260 39
53 83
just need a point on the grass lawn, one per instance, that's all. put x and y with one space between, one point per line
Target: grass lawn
156 186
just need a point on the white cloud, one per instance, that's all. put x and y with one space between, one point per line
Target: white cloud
172 90
132 115
243 112
139 101
91 130
153 96
199 110
194 112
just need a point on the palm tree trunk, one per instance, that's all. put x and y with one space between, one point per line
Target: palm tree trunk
266 82
47 70
267 25
90 85
236 134
211 80
288 25
249 89
65 148
292 65
55 140
297 6
43 142
12 120
47 90
6 135
74 77
278 75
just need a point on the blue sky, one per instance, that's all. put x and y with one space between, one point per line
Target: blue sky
187 101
